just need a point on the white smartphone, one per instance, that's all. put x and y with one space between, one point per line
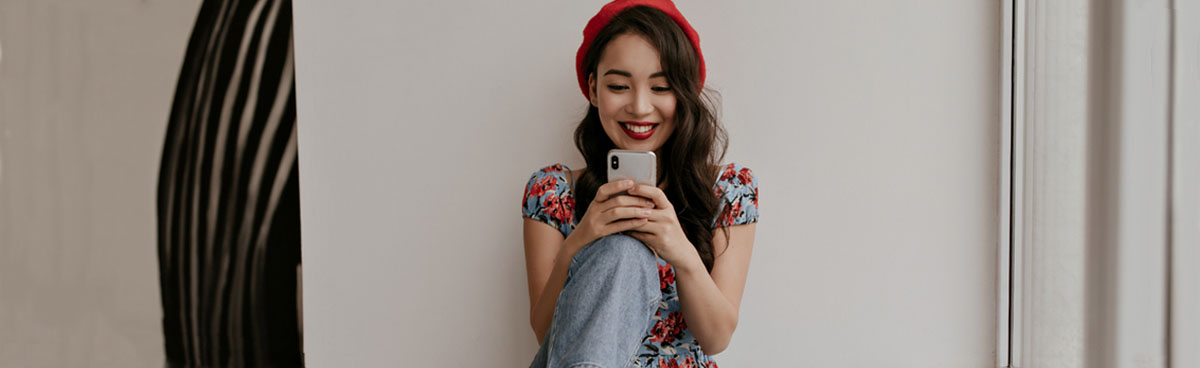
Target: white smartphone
641 166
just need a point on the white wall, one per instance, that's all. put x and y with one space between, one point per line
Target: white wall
1185 216
873 129
85 92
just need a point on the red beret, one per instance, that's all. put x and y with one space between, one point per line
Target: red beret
610 10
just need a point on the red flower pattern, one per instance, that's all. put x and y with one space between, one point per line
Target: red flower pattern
661 332
547 183
744 175
728 173
568 207
666 276
690 362
556 207
669 329
536 190
675 320
731 212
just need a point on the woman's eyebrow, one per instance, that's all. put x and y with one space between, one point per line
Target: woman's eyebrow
630 75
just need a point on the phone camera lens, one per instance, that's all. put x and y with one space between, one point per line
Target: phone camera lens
615 164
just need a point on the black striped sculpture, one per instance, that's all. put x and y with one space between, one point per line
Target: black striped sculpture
228 198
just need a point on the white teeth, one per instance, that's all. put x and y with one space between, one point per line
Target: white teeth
638 128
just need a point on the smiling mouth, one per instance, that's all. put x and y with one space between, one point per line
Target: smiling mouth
638 130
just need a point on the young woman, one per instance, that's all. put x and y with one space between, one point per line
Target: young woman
653 277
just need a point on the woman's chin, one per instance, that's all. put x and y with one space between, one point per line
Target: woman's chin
637 146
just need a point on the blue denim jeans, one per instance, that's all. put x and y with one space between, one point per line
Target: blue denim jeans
605 307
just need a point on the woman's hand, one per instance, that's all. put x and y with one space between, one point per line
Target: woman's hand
662 233
610 213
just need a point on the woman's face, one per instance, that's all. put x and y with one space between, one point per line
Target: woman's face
636 105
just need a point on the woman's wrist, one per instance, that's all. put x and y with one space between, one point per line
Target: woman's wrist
571 245
690 262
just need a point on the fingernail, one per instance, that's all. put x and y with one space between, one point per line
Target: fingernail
646 213
629 183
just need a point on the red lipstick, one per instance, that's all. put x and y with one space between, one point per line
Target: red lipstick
643 129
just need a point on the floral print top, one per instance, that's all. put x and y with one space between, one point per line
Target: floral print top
667 342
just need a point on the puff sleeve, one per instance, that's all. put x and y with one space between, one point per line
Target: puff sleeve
738 189
548 199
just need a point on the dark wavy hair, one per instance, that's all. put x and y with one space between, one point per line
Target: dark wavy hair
691 155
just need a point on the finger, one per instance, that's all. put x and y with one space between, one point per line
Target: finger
642 230
609 189
631 201
652 193
620 213
650 228
623 225
601 204
662 215
619 201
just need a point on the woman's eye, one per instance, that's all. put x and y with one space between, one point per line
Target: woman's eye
616 87
661 89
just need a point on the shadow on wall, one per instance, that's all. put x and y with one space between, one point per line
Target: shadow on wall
228 199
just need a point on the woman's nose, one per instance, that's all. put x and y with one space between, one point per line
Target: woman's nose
641 105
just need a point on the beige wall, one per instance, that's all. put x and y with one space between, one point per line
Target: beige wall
873 128
85 91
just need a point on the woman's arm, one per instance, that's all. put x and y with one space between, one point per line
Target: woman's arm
710 302
547 257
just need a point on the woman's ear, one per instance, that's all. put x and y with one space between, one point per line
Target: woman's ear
592 89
